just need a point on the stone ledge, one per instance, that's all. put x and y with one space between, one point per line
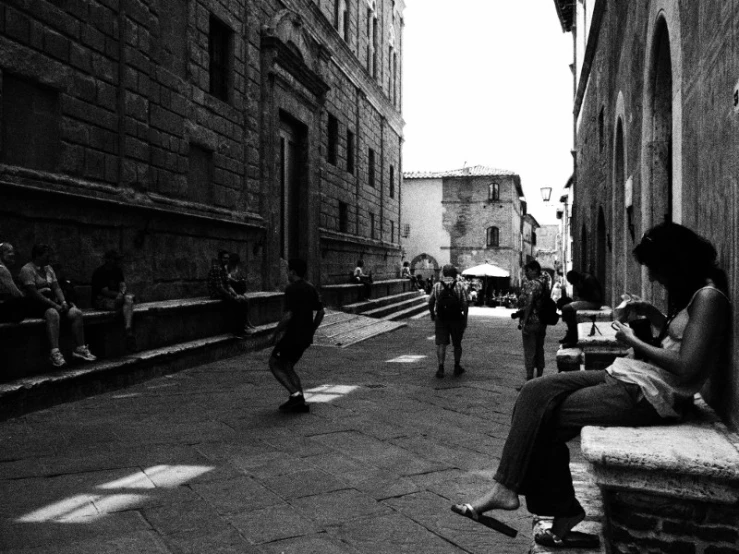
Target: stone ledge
588 316
696 460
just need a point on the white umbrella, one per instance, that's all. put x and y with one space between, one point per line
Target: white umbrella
486 270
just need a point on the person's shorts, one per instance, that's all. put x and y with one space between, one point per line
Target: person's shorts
449 329
289 349
109 304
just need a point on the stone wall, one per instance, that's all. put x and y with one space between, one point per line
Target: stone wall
629 112
117 132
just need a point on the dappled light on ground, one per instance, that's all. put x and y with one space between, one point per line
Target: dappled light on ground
327 393
407 359
89 507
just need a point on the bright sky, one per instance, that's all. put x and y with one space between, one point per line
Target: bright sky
487 82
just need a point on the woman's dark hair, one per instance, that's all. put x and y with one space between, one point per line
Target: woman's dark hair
40 250
360 263
685 259
234 259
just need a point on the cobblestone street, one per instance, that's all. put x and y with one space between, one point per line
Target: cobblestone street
202 462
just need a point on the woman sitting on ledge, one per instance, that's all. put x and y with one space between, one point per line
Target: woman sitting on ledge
553 409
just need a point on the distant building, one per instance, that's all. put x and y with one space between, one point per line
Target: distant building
466 217
171 129
548 250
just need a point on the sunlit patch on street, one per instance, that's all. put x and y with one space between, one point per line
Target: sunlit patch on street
327 393
407 359
86 508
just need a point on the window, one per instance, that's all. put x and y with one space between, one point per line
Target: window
333 139
494 192
31 135
371 168
406 230
372 225
375 48
369 39
392 182
350 152
199 174
392 231
395 79
343 217
219 53
342 18
493 237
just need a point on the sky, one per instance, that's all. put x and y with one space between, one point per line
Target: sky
487 82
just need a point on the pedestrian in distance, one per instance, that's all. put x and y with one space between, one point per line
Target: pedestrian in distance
364 279
533 329
13 304
294 333
110 292
588 294
449 308
46 300
695 344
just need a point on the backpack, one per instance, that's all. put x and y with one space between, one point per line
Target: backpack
548 313
448 307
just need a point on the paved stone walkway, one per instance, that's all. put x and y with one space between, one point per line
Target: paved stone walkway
202 462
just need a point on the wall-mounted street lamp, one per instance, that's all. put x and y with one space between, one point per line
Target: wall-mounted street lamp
546 193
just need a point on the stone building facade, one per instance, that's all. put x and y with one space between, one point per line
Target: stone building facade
657 131
465 217
170 129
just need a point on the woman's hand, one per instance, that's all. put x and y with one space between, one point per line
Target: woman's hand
624 333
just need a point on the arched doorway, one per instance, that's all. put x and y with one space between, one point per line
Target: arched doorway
661 146
659 157
622 212
601 244
426 266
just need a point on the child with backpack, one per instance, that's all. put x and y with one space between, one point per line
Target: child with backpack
448 305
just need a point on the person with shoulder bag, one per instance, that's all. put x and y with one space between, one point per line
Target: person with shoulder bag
449 306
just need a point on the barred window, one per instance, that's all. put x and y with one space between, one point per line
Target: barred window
219 53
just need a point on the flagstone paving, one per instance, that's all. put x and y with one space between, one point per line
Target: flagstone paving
202 462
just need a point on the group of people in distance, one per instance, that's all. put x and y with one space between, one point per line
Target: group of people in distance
39 294
654 385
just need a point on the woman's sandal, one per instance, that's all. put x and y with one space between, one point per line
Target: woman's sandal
573 539
469 512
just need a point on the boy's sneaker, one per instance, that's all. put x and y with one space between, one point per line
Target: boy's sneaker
458 370
56 359
83 353
295 404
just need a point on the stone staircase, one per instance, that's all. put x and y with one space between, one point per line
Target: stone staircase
392 299
341 329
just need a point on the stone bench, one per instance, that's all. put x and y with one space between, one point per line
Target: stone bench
605 313
24 348
597 340
671 488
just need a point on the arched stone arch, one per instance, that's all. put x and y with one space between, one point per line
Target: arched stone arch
426 265
662 130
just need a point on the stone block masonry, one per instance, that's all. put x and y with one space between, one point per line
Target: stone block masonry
152 128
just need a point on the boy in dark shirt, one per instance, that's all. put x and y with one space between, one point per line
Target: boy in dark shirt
294 333
109 292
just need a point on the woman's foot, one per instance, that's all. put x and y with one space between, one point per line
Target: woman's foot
563 525
499 498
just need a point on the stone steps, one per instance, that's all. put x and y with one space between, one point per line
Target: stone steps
85 379
344 329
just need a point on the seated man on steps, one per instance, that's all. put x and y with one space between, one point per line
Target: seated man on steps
236 305
47 300
13 304
110 293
